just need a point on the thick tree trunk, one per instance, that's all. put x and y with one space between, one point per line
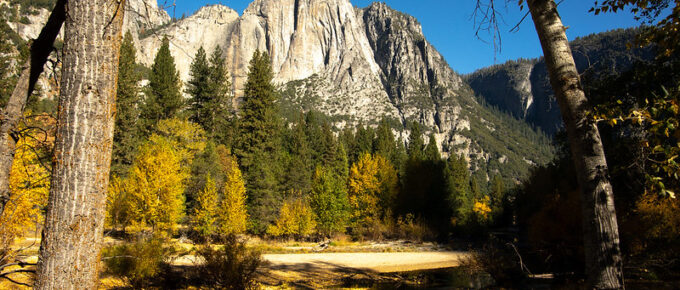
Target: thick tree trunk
40 51
72 238
601 235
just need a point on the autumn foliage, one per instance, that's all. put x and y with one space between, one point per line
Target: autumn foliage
29 185
155 186
232 214
295 220
373 186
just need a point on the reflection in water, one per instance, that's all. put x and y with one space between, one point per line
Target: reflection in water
448 278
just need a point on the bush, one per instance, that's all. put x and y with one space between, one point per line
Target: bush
371 229
413 229
500 260
231 267
140 262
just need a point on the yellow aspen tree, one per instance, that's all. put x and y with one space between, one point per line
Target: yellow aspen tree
372 188
205 213
155 186
295 219
482 208
186 137
29 184
232 211
116 198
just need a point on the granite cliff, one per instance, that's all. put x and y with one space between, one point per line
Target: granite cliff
522 88
354 65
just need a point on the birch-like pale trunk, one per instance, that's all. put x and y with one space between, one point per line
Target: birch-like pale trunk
13 112
600 230
72 237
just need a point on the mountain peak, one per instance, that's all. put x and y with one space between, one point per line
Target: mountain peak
216 12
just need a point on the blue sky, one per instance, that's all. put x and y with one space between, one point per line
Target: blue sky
448 25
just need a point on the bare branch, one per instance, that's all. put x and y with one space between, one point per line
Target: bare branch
486 18
16 282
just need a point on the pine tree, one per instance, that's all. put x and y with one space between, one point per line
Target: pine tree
363 142
400 156
347 139
425 182
205 165
209 88
264 193
125 136
458 182
384 143
314 134
163 97
258 144
8 74
416 144
432 151
475 192
300 161
198 87
219 110
497 194
258 122
333 155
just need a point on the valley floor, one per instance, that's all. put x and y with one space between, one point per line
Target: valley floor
290 264
330 269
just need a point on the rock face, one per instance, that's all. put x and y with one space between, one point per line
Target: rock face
522 87
507 86
416 77
32 28
323 39
142 16
356 66
208 27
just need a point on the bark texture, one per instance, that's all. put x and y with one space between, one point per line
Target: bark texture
72 237
601 235
31 70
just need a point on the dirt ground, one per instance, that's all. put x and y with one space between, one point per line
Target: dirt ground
301 265
327 269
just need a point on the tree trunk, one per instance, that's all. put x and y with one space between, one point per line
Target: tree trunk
72 237
601 235
31 70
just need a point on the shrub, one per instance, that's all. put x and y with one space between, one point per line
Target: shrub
230 267
140 262
411 228
500 260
